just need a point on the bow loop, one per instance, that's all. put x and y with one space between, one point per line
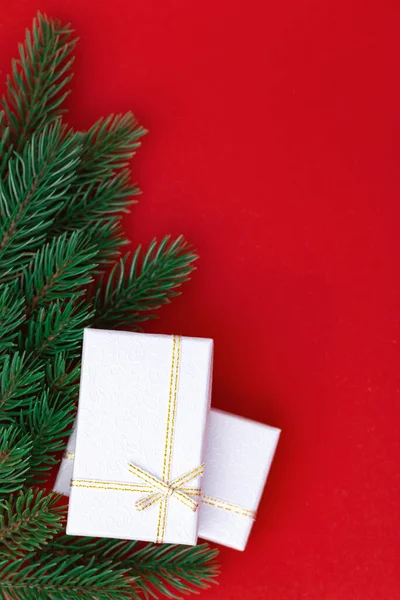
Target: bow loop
160 490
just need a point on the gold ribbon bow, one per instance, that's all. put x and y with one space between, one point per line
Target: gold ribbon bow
160 490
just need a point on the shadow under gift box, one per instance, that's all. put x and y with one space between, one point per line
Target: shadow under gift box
238 456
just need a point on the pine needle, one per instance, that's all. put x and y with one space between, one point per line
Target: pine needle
142 283
103 185
37 86
57 329
109 145
28 520
21 379
36 186
59 578
48 421
159 570
12 314
62 376
15 452
59 269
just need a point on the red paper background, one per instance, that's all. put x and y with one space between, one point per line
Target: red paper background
273 147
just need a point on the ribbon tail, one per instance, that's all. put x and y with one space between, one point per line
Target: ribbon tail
154 482
149 500
189 476
186 500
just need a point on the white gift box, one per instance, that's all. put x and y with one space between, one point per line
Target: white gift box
64 475
239 453
143 406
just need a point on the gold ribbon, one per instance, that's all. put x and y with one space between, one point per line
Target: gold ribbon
169 435
147 489
155 489
229 506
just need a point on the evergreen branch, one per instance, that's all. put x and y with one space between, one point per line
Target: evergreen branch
108 237
167 569
57 328
21 380
62 377
95 200
103 184
28 520
37 86
159 569
59 270
15 449
60 578
47 422
88 547
5 145
12 314
37 184
109 145
130 291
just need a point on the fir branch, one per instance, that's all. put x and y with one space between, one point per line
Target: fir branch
12 314
130 291
59 270
37 86
59 578
62 376
103 185
57 328
15 450
21 380
164 569
88 547
107 236
28 520
5 144
95 200
109 145
48 421
36 187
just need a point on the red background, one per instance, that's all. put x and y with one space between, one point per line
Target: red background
273 147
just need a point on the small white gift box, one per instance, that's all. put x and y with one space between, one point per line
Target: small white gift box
64 476
239 453
143 406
